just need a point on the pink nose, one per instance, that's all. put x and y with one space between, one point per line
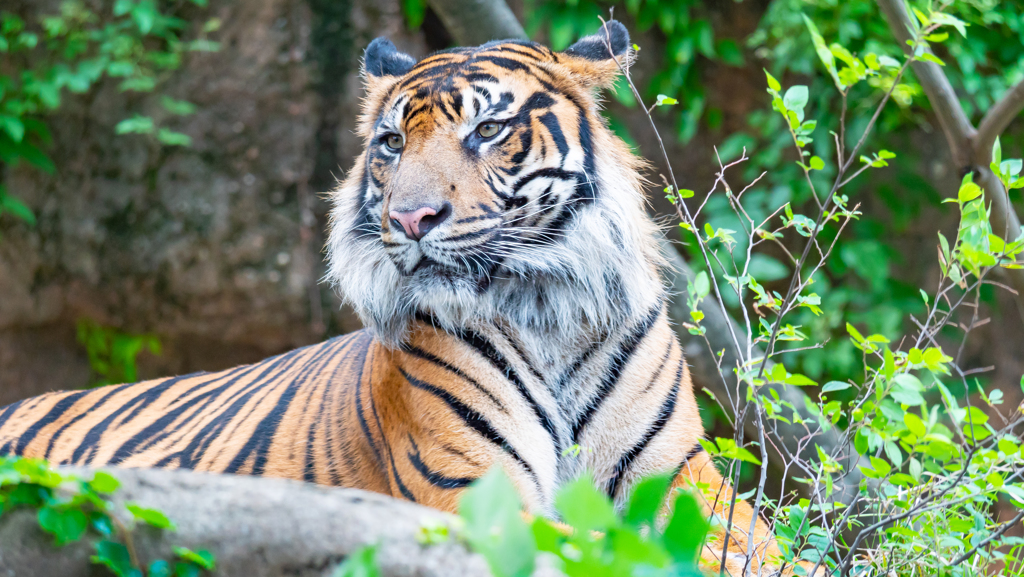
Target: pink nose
417 223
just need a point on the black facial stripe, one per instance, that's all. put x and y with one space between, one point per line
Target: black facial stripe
483 91
504 101
507 63
556 173
550 121
479 77
587 192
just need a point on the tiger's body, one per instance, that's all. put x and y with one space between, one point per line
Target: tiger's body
528 331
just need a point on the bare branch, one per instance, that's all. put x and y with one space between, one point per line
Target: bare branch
473 22
971 149
998 118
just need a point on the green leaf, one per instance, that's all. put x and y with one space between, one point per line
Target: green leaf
854 333
172 138
179 107
796 97
907 390
14 127
584 507
817 163
685 530
772 82
144 14
799 381
202 557
929 57
494 526
150 516
665 100
997 152
914 424
968 192
17 208
881 466
135 125
824 54
66 524
115 557
103 482
361 563
701 284
646 500
835 386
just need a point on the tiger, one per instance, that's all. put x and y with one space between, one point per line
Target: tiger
494 240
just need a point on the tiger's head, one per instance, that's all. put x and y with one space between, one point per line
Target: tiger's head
491 189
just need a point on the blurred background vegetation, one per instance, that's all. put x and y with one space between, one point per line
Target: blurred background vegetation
164 164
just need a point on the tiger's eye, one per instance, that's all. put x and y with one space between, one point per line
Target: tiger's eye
488 129
395 141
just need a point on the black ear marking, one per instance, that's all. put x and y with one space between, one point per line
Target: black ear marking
595 46
383 59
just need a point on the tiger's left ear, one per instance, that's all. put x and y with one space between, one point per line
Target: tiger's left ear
384 64
595 59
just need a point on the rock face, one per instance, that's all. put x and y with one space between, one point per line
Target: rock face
215 248
255 527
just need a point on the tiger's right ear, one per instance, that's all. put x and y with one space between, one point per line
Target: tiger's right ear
383 60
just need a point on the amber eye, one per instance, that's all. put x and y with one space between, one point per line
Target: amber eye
488 129
394 141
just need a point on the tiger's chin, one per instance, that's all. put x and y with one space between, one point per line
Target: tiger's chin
430 277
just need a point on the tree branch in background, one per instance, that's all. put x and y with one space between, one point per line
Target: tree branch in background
998 118
472 22
971 149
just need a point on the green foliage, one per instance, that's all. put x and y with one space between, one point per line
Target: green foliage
138 42
689 36
361 563
70 509
593 539
934 465
113 353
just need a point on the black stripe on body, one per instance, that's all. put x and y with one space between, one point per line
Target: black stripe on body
587 190
387 446
664 414
113 390
325 416
201 441
472 419
417 352
263 436
433 477
614 371
159 429
363 425
488 351
55 412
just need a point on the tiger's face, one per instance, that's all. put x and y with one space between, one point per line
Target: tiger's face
488 181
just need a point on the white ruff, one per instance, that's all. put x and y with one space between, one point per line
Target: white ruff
600 275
